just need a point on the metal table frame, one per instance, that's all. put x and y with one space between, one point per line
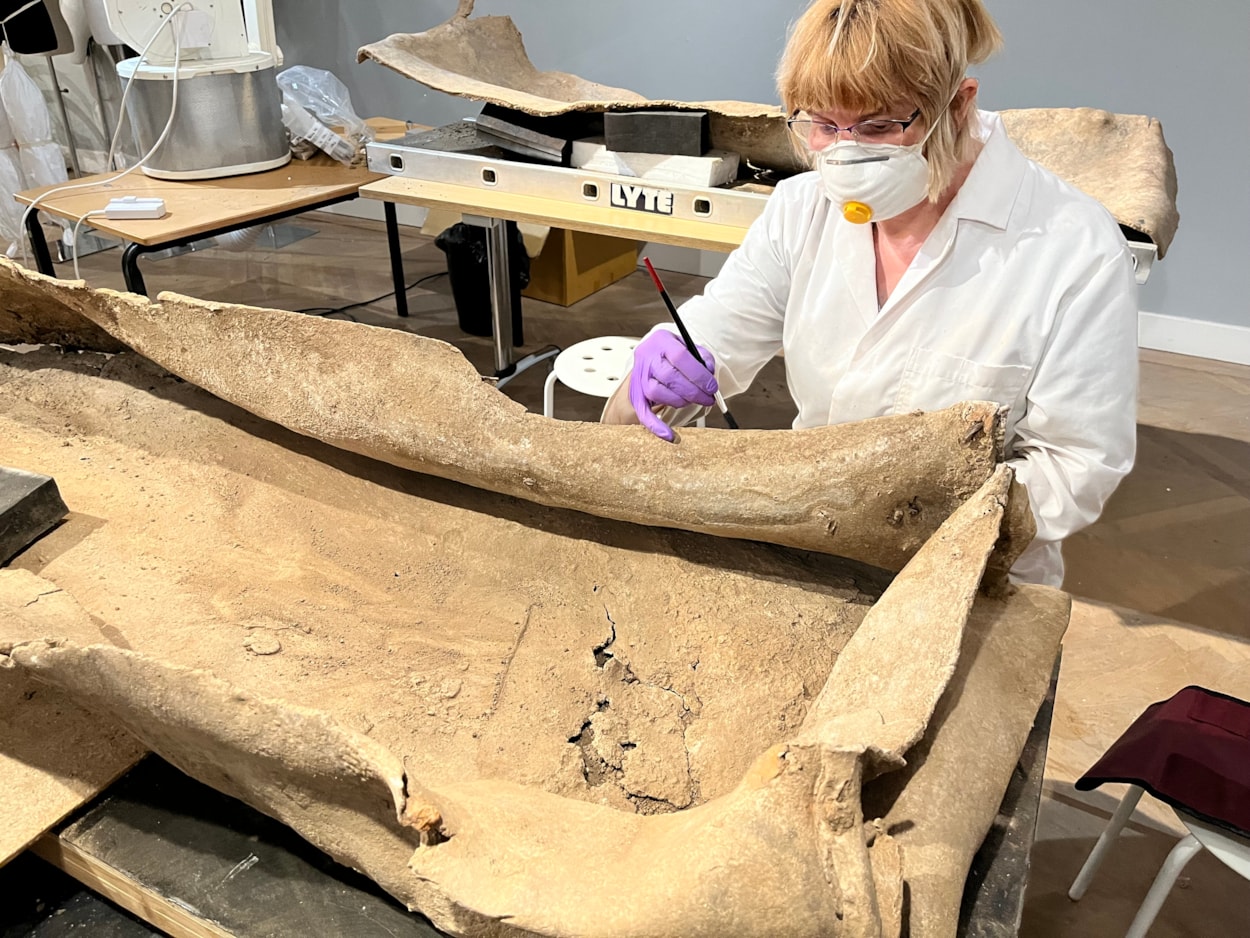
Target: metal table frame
133 276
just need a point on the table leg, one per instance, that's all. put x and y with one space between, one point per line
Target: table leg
500 272
397 259
500 294
39 244
130 268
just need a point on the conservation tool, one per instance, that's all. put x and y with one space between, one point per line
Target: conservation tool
685 337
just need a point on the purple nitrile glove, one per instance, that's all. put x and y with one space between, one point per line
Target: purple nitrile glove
666 374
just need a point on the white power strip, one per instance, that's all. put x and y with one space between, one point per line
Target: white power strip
133 206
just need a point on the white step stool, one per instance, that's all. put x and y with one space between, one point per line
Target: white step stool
594 366
1232 850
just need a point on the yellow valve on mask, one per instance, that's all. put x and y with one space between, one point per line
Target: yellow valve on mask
857 213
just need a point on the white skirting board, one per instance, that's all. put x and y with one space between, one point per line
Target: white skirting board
1199 338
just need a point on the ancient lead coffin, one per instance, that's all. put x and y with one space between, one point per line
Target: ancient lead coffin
326 569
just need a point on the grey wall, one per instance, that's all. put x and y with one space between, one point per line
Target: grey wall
1185 63
1188 64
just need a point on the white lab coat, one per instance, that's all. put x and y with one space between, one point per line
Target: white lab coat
1024 294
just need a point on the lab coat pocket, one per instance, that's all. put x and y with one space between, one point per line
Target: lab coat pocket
933 380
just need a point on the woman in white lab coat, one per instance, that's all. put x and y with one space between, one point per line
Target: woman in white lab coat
926 261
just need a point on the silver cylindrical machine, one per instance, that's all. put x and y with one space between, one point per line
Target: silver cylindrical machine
227 123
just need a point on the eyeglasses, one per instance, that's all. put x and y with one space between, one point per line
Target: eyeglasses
816 135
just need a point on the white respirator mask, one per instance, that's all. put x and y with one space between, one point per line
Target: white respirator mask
873 181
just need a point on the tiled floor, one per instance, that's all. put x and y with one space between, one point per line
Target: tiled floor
1173 544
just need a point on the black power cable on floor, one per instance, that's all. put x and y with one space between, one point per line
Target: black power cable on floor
336 310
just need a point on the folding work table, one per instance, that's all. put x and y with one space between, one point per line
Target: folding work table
492 208
205 208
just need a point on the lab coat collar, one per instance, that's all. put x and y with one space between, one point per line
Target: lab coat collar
989 193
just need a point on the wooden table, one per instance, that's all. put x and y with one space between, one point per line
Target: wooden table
490 208
205 208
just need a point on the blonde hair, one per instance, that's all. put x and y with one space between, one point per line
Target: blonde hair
866 55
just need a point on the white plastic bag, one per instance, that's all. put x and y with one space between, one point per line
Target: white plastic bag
12 181
42 160
326 99
308 135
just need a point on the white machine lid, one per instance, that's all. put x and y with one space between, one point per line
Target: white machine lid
191 68
215 36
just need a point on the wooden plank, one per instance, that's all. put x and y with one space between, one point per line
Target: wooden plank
163 913
43 902
54 758
198 864
619 222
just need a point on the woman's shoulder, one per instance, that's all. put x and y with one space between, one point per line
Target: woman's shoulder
800 190
1042 203
798 203
1057 207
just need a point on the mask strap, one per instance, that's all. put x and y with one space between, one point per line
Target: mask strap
945 110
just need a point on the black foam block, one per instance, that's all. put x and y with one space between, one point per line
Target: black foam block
30 507
679 133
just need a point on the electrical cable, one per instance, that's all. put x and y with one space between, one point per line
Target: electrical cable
74 242
116 133
334 310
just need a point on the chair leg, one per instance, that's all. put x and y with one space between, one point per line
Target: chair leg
1181 854
549 395
1122 813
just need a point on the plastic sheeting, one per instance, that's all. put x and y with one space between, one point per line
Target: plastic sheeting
42 161
12 180
29 154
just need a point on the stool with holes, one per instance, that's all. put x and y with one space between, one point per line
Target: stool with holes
595 367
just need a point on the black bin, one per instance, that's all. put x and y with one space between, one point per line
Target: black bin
469 272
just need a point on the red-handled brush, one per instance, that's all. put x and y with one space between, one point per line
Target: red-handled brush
685 337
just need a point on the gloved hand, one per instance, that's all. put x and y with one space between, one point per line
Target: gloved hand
665 373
